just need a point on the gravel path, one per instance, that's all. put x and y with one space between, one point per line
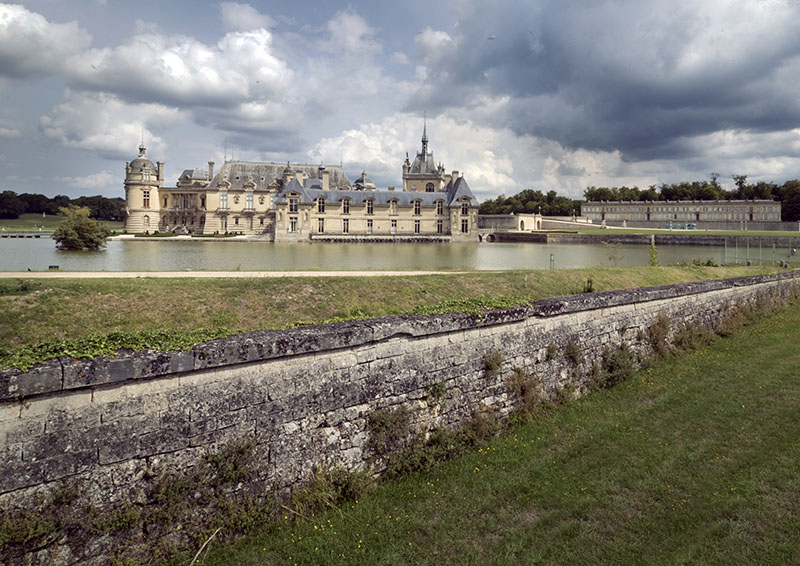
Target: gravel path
207 274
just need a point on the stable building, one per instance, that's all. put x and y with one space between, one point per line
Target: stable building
702 214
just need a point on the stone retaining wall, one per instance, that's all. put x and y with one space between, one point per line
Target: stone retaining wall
303 396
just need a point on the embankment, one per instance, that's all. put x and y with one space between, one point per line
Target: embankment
108 431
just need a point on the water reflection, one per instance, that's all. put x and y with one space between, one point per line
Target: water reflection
38 254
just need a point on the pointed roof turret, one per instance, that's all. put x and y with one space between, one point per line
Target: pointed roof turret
425 137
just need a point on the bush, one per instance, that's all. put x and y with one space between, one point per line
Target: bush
388 430
79 232
573 352
658 335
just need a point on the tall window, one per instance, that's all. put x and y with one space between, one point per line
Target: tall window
249 222
464 208
146 222
293 224
293 204
223 199
320 225
223 223
345 225
146 199
370 206
465 226
394 226
417 208
248 198
321 206
416 226
439 227
346 206
439 208
393 207
369 225
429 188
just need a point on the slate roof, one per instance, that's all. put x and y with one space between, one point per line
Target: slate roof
311 190
237 173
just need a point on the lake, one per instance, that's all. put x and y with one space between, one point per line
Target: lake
20 254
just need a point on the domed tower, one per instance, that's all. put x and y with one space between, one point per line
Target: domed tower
142 183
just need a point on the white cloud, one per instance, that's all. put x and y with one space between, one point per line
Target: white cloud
182 71
349 32
400 58
30 45
96 181
9 133
243 17
104 124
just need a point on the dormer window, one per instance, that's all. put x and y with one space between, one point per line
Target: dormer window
293 204
321 206
417 208
370 206
346 206
439 208
464 208
393 207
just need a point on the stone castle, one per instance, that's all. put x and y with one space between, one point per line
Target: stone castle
296 202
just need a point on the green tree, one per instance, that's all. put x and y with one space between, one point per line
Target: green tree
78 231
10 205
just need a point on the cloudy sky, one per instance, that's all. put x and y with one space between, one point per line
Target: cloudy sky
541 94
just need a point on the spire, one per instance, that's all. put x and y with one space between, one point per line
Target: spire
425 137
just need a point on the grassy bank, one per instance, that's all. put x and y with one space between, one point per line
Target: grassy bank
739 233
38 311
693 461
34 222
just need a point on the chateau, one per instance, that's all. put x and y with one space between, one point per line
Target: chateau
294 202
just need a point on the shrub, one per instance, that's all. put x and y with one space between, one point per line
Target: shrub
526 391
551 352
618 365
692 337
658 335
328 488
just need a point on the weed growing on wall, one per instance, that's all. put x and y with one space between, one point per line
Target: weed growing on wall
527 392
388 430
573 352
492 362
179 511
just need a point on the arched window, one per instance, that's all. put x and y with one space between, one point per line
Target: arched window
429 188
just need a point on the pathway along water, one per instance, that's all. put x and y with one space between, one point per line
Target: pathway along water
199 255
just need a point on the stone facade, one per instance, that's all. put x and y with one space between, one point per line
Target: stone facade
303 396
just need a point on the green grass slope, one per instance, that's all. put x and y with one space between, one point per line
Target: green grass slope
694 461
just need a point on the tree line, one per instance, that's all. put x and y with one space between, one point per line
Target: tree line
12 205
788 193
530 201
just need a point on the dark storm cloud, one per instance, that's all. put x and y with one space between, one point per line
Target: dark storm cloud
638 77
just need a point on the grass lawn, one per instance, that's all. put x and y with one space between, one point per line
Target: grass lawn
694 461
41 310
33 222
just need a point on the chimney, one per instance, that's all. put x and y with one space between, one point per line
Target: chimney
391 188
160 170
210 170
326 179
299 175
455 175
